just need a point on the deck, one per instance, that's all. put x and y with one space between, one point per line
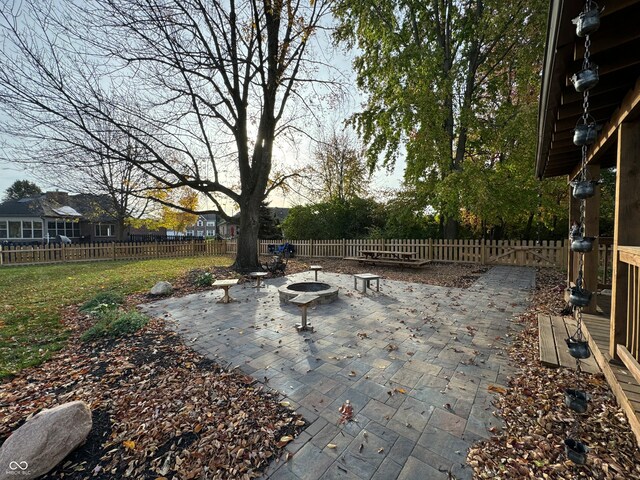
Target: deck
624 386
552 332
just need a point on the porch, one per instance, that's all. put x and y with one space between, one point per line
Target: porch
611 107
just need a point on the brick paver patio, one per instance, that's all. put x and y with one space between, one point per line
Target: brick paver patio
414 360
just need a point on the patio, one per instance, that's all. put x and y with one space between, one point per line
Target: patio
416 362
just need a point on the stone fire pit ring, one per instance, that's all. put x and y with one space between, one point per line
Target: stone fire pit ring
326 292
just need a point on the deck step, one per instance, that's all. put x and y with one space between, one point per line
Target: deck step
552 332
624 385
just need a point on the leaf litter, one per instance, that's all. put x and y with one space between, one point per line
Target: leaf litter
159 409
536 420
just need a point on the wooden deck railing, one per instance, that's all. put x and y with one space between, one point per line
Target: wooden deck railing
631 257
39 254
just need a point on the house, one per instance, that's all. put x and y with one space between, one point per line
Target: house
49 217
230 229
611 109
205 227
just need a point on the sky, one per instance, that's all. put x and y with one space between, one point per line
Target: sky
383 179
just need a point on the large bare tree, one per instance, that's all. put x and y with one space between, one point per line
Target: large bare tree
214 81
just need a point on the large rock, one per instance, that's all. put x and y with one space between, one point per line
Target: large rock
44 440
161 288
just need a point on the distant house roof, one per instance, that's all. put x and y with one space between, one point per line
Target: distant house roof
58 205
279 213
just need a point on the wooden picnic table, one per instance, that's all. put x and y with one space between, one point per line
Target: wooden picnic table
388 254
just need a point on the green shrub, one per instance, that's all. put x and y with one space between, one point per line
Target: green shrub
127 323
204 280
200 278
103 301
113 323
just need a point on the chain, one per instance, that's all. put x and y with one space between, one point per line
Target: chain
574 430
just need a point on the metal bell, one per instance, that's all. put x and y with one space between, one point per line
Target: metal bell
585 79
588 21
579 297
576 400
578 348
584 134
584 189
576 451
582 244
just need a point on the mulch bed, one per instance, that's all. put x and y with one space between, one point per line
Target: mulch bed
159 409
537 421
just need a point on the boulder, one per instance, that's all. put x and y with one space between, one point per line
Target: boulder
43 441
161 288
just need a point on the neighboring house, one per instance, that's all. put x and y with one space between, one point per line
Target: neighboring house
230 229
47 217
206 226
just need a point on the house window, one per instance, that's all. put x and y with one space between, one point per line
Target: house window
67 228
211 233
27 230
3 229
200 223
14 230
211 223
105 230
190 233
37 229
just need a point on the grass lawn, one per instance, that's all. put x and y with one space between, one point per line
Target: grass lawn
31 299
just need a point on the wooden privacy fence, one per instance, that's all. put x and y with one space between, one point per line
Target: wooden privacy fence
499 252
25 255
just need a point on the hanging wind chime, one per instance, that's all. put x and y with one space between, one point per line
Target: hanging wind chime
584 135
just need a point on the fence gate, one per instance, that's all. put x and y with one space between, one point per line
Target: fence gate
526 255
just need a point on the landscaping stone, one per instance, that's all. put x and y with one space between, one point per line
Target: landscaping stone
161 288
43 441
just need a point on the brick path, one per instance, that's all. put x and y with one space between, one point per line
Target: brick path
414 360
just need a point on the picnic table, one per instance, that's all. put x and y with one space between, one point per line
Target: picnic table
388 254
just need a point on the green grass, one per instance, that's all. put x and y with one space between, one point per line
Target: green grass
31 299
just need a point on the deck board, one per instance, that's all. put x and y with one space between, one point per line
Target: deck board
548 354
552 332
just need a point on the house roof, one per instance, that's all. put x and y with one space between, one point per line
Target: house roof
25 207
279 213
92 207
615 49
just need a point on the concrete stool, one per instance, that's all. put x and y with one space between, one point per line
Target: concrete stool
315 269
366 281
258 276
225 285
303 301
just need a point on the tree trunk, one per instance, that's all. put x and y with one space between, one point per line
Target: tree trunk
527 231
247 253
451 229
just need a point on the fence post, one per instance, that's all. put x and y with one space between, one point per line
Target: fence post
113 250
483 251
344 248
1 256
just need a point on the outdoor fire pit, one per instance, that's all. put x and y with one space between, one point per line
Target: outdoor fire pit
326 292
